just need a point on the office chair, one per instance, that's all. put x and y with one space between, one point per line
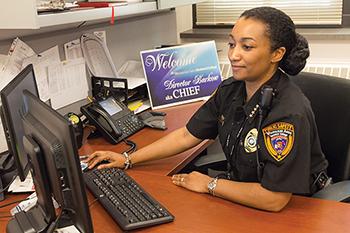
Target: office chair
330 101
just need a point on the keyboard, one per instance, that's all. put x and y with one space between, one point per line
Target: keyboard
128 204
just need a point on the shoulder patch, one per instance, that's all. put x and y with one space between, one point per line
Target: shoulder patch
279 139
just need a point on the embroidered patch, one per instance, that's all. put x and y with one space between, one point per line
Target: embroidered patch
279 139
250 141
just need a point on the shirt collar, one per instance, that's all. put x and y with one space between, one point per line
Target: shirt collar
251 108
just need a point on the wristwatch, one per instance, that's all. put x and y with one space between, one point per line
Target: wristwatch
212 185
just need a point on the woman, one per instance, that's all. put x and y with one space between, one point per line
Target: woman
263 46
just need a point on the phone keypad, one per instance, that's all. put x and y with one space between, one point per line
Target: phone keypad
129 125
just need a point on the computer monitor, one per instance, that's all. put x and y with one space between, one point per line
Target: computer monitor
11 98
50 136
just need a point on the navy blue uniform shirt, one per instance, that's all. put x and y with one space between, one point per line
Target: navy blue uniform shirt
288 138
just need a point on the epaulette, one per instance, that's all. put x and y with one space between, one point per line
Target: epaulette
229 81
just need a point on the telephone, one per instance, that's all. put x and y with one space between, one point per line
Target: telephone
112 119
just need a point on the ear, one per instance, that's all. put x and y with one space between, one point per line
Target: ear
277 55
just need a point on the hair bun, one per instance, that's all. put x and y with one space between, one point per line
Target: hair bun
296 60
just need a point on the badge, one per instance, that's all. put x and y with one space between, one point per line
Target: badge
279 139
250 141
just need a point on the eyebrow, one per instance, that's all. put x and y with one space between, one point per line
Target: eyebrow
244 38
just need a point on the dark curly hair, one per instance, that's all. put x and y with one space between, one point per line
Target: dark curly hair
281 31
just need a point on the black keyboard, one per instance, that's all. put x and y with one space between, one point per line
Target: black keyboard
128 204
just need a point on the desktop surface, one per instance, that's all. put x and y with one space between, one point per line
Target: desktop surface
196 212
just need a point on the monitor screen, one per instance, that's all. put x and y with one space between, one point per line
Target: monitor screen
110 106
12 100
55 137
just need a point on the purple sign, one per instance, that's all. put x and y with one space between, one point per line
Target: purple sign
181 74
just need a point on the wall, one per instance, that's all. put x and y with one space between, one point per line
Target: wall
323 47
125 39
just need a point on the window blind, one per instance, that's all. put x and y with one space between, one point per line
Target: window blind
303 12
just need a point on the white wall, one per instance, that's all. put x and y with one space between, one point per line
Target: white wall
125 39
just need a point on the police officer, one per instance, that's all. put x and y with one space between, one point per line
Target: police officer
264 123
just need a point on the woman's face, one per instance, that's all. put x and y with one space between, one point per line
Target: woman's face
250 51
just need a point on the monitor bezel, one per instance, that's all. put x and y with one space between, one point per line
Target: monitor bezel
11 137
64 132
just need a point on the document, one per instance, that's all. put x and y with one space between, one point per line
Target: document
18 186
3 142
72 50
40 63
101 35
133 72
3 61
97 56
17 53
69 229
67 82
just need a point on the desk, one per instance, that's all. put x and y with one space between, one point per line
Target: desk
201 212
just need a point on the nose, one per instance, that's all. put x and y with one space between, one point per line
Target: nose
234 54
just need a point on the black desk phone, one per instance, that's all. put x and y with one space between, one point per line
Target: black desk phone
112 119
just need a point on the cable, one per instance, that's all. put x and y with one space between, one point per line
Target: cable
53 225
133 146
8 185
93 202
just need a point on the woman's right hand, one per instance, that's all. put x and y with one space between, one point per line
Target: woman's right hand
113 159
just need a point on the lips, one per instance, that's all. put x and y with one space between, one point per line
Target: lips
237 67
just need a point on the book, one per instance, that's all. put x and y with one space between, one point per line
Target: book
102 4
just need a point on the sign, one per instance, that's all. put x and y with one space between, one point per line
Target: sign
181 74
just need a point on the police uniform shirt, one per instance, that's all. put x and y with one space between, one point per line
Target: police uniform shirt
288 140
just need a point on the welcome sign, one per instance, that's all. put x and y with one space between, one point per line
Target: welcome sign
181 74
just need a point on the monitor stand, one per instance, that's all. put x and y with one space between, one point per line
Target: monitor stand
42 215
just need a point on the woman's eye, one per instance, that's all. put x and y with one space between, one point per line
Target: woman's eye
247 47
231 45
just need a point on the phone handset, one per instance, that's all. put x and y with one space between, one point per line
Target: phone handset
112 119
108 123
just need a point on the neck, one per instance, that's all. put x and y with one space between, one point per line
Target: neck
253 86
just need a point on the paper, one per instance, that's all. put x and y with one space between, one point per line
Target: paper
28 203
17 53
25 205
67 82
69 229
3 142
40 63
101 35
19 187
146 105
97 57
72 50
3 61
133 72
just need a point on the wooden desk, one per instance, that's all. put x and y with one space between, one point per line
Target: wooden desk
201 212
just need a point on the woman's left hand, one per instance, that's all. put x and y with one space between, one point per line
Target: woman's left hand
194 181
